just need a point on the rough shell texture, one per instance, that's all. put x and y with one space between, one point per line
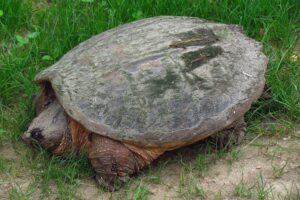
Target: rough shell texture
162 81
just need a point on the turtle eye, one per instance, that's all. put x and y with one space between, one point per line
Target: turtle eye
47 103
36 134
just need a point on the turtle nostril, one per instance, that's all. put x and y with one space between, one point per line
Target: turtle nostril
36 133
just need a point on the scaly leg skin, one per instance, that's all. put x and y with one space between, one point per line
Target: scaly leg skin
234 135
114 161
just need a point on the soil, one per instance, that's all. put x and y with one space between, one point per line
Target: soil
254 161
260 159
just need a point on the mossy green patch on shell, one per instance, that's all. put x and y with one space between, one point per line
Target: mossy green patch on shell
158 86
195 37
196 58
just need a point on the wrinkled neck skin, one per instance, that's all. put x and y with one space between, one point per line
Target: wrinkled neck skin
50 130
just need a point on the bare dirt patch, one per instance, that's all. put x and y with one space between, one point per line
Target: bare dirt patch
12 177
270 165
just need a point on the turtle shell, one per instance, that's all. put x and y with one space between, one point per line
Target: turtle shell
160 82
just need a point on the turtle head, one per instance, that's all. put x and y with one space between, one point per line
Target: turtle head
48 129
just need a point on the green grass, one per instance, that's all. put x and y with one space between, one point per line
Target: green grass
243 190
263 189
35 34
141 192
189 188
64 172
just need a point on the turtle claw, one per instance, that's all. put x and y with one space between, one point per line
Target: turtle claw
232 136
106 185
111 186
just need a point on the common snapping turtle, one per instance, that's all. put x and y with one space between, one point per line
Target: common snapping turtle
133 92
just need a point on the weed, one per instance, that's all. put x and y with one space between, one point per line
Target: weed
3 165
263 189
273 125
17 193
14 193
218 196
189 188
141 192
242 190
234 155
187 166
278 169
200 163
64 172
154 172
2 135
200 193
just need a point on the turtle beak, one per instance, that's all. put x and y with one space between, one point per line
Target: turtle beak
26 137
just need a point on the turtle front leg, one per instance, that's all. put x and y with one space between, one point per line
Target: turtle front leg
233 135
113 160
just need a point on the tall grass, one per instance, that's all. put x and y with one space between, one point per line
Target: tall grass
35 34
48 29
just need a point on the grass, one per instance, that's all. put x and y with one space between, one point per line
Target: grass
141 192
155 172
3 165
278 169
189 187
35 34
263 189
64 172
243 190
16 193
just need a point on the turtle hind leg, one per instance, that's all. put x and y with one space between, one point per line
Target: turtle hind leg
233 135
113 160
